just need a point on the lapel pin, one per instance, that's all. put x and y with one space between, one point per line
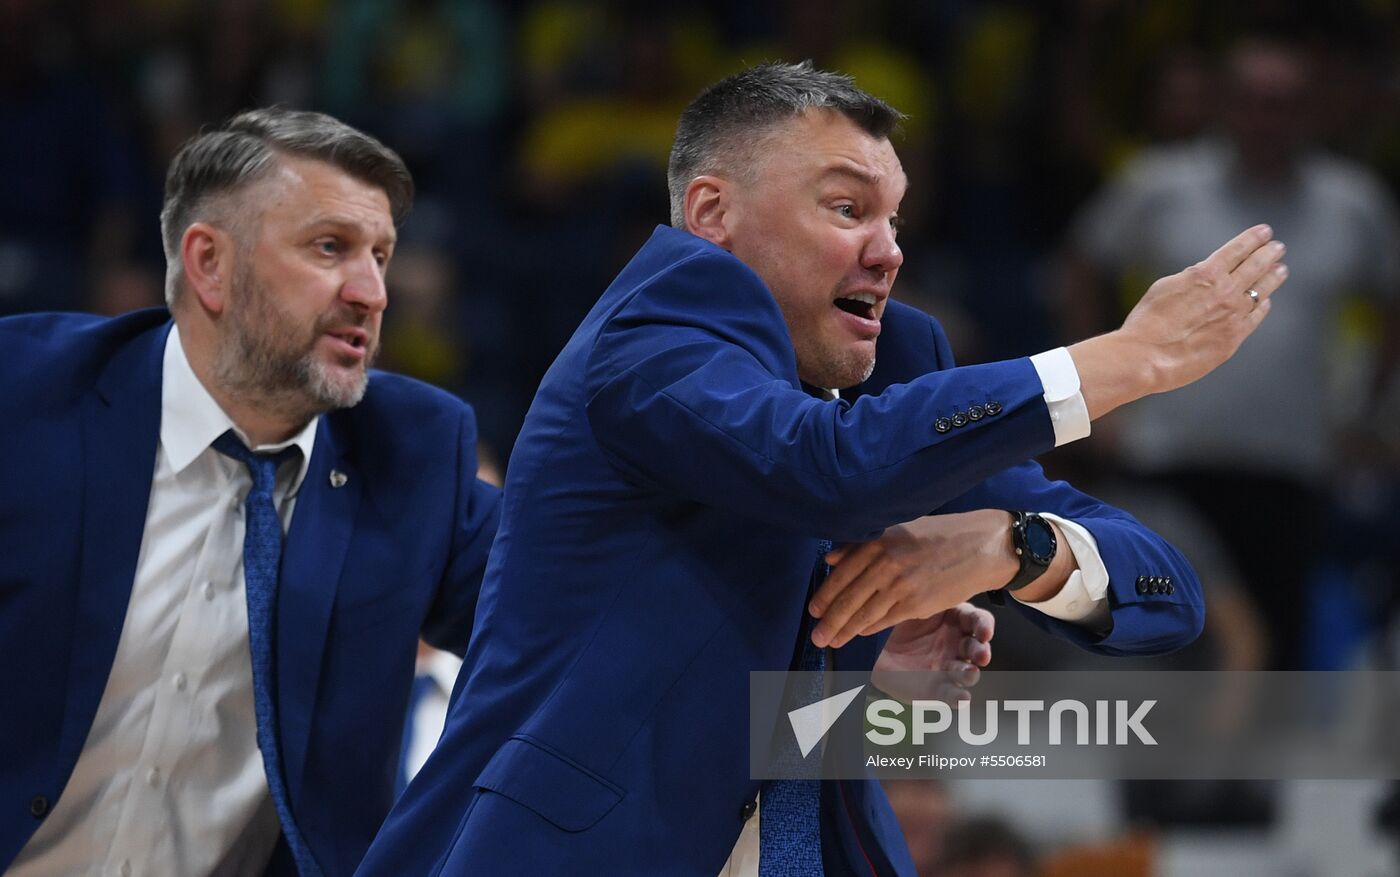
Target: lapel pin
338 478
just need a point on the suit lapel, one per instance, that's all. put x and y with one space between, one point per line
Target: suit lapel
322 524
120 427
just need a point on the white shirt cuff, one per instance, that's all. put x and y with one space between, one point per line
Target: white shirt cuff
1069 416
1084 598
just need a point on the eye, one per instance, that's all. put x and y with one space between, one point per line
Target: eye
381 258
328 246
847 211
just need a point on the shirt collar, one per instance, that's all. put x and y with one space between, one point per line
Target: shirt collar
190 419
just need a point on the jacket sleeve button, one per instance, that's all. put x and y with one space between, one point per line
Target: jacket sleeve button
960 419
38 806
942 424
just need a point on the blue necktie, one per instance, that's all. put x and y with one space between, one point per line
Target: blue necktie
262 554
789 824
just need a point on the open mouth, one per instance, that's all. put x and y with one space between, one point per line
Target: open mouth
861 305
356 338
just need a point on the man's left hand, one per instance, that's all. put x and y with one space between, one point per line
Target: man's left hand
955 643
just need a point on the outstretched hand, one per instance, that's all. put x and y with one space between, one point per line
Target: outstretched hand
1185 326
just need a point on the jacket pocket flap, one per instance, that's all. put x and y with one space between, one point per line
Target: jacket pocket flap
559 789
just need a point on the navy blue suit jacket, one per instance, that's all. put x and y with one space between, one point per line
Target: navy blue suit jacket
661 517
398 549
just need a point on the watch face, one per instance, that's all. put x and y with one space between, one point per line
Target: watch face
1040 539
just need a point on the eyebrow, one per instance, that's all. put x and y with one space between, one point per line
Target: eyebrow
855 173
348 225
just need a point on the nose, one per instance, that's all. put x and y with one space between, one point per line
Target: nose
881 252
364 285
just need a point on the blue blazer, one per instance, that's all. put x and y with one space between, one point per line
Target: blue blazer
661 518
398 549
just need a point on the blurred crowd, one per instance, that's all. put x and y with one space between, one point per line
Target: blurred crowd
1061 155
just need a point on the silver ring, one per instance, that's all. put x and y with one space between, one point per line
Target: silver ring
1253 298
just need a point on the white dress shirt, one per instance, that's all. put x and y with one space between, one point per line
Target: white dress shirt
1082 600
170 779
430 712
1084 597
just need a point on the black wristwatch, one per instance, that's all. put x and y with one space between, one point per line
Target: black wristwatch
1035 544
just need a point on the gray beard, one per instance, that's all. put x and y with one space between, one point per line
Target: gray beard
261 362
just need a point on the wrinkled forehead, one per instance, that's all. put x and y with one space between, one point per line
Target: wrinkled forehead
821 145
303 191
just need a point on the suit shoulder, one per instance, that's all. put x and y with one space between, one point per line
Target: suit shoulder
58 350
681 291
677 272
908 318
705 279
408 400
403 424
63 336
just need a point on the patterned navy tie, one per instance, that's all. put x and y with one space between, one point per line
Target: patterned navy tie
789 826
262 554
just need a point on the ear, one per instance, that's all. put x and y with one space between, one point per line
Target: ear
207 256
708 206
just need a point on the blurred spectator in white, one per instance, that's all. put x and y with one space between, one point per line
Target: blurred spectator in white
435 671
1252 445
434 676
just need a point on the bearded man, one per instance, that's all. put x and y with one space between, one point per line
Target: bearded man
223 534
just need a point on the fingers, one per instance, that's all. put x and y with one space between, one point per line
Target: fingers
1226 259
845 568
1269 282
892 616
952 694
1256 316
1259 272
975 652
876 607
964 674
976 623
851 608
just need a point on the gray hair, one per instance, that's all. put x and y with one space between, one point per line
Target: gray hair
217 163
720 130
